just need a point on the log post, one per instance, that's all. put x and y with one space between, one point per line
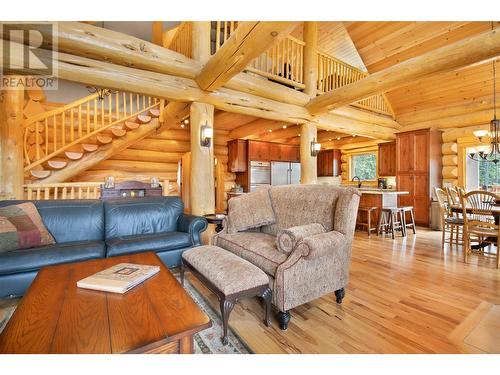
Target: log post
200 41
311 58
202 189
11 137
308 166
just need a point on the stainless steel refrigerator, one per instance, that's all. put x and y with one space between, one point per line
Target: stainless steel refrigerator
285 173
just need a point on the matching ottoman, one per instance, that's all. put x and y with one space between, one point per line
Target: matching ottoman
229 277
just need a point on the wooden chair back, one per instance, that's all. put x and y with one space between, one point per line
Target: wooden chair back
477 209
453 195
442 198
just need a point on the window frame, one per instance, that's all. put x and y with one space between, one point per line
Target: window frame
351 164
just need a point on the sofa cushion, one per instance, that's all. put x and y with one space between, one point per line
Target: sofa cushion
288 238
73 220
258 248
252 210
33 259
151 242
296 205
142 216
21 227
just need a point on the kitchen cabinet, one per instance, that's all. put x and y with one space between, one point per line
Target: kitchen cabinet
241 152
237 155
328 163
418 170
387 159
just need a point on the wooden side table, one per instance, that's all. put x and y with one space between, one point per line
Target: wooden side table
212 219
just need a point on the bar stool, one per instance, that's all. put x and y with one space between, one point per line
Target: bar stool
411 225
391 220
368 223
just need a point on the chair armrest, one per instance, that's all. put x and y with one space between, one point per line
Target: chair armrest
193 225
322 244
315 246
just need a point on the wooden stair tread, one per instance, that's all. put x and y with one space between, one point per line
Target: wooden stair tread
103 139
55 164
130 125
154 112
118 132
40 173
143 119
89 147
73 155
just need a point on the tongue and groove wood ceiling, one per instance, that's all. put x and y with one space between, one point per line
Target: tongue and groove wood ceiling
374 46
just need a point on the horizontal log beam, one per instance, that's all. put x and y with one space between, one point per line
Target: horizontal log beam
256 127
453 56
246 43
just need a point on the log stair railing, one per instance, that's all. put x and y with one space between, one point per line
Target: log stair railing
56 139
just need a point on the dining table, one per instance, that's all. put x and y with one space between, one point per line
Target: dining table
495 212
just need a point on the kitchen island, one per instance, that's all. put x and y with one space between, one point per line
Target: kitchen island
380 198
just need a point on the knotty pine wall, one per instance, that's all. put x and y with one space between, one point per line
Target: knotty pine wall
158 156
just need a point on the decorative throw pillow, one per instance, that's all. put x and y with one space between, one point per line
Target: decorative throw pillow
21 227
249 211
286 239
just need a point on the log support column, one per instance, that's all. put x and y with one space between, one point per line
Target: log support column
311 58
202 188
308 166
11 138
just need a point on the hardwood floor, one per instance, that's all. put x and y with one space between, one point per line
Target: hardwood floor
404 296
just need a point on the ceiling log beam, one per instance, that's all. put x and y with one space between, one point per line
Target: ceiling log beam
247 42
457 55
172 88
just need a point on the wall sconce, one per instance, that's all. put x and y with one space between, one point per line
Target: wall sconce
206 135
315 147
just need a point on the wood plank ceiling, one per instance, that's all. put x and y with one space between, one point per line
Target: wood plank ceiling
384 44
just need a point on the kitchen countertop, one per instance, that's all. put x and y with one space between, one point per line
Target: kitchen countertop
382 191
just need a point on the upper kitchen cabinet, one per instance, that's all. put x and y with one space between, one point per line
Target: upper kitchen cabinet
237 155
328 162
241 152
387 159
418 170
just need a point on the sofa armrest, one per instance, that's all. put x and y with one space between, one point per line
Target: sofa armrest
193 225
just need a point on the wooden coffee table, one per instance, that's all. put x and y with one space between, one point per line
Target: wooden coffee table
55 316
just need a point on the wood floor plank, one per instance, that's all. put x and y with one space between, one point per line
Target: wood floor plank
404 296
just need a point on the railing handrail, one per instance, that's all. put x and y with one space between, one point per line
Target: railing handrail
60 110
62 184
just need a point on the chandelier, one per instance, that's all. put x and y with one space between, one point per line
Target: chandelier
491 152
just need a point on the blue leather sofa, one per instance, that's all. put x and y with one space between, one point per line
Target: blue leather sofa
90 229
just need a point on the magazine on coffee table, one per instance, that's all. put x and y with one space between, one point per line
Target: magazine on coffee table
119 278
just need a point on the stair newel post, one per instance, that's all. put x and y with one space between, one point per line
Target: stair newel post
11 138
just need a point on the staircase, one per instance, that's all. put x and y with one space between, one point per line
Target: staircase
61 143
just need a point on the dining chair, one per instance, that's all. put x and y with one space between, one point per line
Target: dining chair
479 222
450 223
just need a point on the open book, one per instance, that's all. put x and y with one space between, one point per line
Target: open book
119 278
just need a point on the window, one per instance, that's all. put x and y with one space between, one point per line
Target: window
364 166
482 175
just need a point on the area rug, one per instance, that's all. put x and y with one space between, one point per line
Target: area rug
206 342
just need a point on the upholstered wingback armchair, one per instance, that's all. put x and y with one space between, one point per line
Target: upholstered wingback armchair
314 262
